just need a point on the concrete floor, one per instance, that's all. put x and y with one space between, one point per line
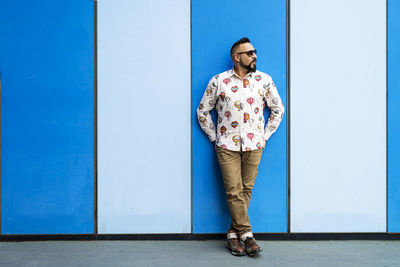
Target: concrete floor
198 253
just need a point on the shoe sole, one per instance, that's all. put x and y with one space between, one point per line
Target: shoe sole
236 253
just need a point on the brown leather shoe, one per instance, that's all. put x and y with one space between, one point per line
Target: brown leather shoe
251 246
236 247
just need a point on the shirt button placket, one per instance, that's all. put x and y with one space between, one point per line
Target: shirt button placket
241 115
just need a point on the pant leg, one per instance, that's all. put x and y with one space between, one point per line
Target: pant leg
250 162
230 164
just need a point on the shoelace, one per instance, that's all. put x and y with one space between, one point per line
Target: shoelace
235 242
250 241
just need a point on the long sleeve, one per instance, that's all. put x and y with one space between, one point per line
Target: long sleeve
206 105
274 103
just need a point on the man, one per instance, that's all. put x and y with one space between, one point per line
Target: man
239 95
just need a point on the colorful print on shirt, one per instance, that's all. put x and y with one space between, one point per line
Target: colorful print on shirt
240 104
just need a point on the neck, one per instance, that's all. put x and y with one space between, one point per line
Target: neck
240 71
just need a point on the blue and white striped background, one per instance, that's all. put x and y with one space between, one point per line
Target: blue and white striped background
156 171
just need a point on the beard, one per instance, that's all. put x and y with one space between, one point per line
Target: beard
249 67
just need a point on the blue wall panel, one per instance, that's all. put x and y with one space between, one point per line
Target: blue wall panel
47 116
394 116
216 25
144 117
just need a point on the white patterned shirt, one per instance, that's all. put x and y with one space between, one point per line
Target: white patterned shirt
240 104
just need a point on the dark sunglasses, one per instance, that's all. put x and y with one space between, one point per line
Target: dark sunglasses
249 53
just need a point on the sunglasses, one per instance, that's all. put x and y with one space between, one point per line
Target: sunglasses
249 53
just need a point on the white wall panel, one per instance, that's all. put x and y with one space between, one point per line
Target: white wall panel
338 116
144 116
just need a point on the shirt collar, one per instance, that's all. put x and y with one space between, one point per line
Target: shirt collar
231 73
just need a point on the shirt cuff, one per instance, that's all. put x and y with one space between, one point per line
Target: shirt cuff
267 135
212 138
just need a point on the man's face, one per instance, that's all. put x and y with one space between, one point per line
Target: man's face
245 60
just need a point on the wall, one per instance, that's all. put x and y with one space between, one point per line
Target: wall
393 117
338 122
215 28
47 117
147 167
144 116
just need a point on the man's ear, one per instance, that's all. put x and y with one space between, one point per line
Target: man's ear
235 57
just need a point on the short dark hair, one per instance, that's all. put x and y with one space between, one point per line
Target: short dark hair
241 41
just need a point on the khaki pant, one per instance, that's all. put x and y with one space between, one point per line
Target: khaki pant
239 171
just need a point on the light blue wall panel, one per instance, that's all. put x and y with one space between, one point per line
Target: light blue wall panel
47 117
338 116
144 116
394 116
216 26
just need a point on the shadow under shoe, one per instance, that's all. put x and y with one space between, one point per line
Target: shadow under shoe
251 246
236 247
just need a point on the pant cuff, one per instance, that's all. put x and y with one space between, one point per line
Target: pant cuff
231 235
246 235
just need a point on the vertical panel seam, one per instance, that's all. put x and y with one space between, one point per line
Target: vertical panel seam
288 113
191 125
95 122
387 118
0 155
